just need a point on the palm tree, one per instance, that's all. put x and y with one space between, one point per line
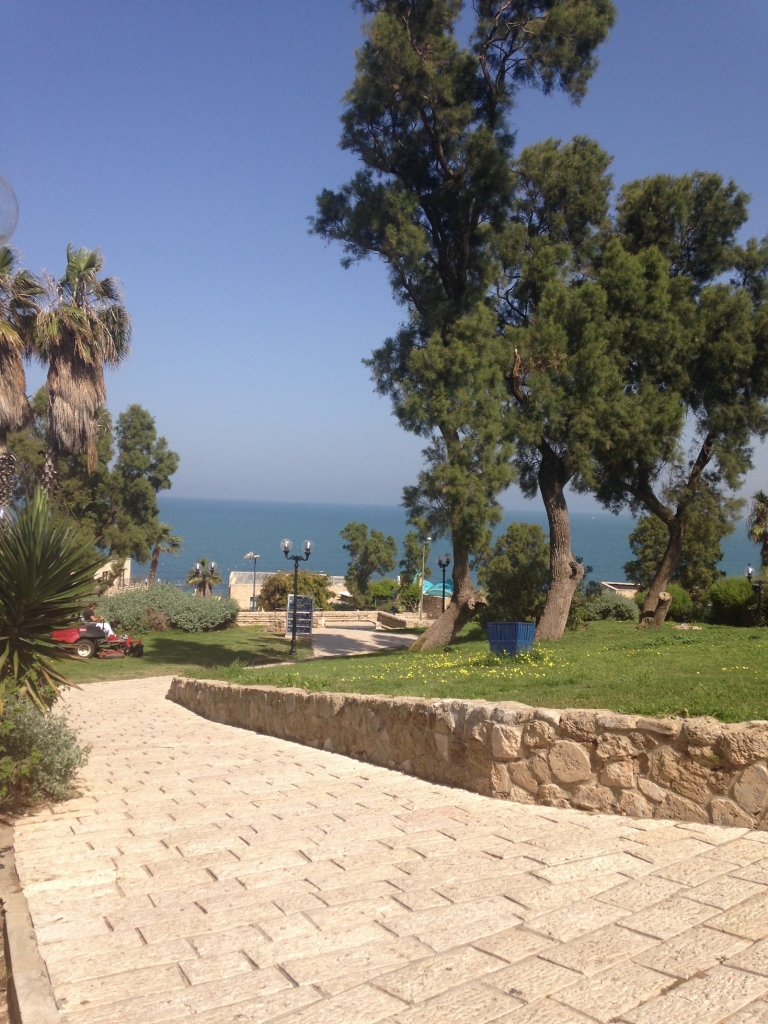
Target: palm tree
204 577
757 524
18 293
166 542
83 328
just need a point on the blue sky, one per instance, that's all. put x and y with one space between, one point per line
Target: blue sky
189 139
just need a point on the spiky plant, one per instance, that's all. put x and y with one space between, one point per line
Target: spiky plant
19 291
46 577
83 327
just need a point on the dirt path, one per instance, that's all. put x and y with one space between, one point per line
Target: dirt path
211 874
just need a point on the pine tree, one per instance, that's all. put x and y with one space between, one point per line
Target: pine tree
429 120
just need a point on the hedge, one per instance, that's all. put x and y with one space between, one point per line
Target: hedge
162 606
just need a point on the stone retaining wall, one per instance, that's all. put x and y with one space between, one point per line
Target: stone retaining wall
694 769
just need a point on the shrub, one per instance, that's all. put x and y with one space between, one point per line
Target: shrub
45 750
610 606
162 606
275 590
515 574
409 597
733 602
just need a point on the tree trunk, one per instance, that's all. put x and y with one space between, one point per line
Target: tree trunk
153 564
654 607
465 604
7 463
565 573
49 474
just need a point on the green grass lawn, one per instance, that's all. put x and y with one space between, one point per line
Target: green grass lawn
718 671
197 654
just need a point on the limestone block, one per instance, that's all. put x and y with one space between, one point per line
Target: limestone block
553 796
521 796
680 773
506 741
593 798
500 781
549 715
539 765
619 773
744 744
328 744
680 809
726 812
704 755
634 805
611 747
661 726
569 762
443 744
538 734
480 732
618 723
521 775
578 725
751 791
702 731
649 789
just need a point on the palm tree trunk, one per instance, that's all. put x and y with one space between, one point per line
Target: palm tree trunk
7 464
49 474
565 572
153 564
465 604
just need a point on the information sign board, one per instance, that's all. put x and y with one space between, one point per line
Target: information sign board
304 607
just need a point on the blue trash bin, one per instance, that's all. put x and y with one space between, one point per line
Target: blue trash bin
511 637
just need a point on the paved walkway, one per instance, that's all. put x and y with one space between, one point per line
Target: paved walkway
333 643
213 875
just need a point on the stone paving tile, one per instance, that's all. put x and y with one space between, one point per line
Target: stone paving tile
533 979
474 1003
705 1000
692 952
607 996
214 875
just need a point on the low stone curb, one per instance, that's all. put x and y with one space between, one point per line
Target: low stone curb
30 996
695 769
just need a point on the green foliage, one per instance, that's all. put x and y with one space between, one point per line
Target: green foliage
659 672
428 120
733 602
369 554
515 574
382 592
413 556
610 606
204 577
161 606
46 577
114 500
276 588
708 519
43 751
757 524
409 597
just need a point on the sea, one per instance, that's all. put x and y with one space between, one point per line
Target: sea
224 531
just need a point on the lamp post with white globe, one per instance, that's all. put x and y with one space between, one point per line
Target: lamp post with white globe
286 546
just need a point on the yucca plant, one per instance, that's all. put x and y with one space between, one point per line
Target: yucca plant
46 577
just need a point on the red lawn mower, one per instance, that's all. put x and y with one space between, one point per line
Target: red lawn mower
91 640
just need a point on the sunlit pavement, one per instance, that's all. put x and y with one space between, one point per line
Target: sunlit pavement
212 874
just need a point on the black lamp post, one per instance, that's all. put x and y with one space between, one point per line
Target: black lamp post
255 558
286 546
444 561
